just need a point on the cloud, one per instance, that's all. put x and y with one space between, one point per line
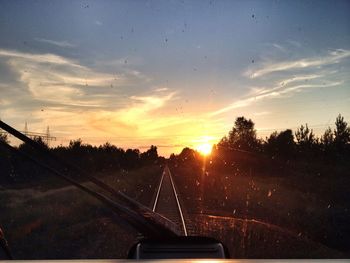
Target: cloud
294 76
331 58
284 83
56 43
98 22
161 89
50 78
145 104
299 78
279 47
79 102
274 92
39 58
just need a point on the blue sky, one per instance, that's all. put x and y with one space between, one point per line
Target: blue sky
172 73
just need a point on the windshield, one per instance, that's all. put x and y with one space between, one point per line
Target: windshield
224 119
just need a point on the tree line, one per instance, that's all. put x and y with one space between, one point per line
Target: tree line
96 159
278 153
302 143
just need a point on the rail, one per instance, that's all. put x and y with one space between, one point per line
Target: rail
167 201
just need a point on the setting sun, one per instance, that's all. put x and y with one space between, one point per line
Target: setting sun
204 148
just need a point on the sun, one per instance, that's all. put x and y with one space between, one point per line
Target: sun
204 148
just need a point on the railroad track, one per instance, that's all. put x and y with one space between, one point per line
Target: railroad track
167 201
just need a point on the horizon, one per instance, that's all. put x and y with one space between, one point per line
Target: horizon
202 148
172 74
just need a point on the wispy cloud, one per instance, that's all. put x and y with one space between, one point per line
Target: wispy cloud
39 58
296 81
77 101
331 58
282 84
56 79
55 42
98 22
50 87
279 47
133 117
273 92
293 76
161 89
150 102
299 78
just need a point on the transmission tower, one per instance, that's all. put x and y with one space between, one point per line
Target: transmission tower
26 128
47 135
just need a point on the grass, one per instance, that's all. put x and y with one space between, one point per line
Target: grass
65 223
307 206
257 215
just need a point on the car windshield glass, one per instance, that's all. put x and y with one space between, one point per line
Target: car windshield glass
130 119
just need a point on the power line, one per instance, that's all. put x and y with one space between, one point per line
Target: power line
44 136
145 137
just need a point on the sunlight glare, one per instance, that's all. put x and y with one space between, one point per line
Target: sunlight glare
204 149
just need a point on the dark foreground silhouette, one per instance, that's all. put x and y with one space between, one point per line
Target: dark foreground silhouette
258 196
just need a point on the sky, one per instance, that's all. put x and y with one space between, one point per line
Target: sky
172 73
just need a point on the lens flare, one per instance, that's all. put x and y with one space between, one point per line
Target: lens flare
204 149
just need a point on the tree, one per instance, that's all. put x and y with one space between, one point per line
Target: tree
187 155
305 137
223 143
131 158
341 133
27 148
281 143
327 139
242 135
150 156
75 145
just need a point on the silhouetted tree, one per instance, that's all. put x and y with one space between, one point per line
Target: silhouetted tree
327 138
327 141
281 143
223 143
172 157
242 136
28 149
131 158
150 156
187 154
341 133
75 144
305 138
